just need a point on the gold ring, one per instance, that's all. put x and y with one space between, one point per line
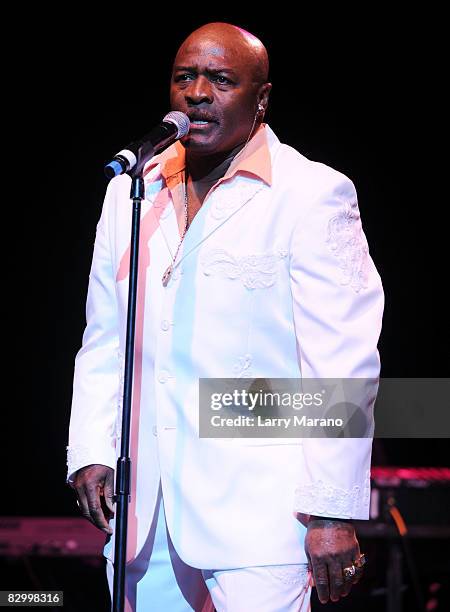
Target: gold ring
349 572
356 566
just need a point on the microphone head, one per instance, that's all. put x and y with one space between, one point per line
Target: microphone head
180 120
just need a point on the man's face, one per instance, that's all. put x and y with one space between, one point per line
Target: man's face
213 83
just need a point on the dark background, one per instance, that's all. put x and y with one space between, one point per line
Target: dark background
361 92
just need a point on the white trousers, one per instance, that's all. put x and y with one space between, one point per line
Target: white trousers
158 580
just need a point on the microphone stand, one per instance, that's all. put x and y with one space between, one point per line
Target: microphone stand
123 473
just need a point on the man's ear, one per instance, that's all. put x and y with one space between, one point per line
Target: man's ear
263 95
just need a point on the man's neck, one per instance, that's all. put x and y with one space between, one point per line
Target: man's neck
210 168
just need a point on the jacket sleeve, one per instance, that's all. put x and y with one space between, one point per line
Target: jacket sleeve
96 378
338 305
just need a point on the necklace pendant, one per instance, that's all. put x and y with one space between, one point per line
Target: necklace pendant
166 276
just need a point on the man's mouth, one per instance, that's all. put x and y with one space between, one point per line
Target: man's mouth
201 120
201 125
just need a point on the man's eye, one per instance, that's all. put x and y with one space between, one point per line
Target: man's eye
221 80
183 77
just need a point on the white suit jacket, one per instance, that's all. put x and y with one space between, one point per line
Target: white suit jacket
272 280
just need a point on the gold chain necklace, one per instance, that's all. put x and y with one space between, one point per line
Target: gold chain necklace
168 273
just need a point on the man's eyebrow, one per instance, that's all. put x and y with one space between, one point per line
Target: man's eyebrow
217 70
187 68
208 70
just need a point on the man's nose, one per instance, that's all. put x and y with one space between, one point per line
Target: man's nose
199 91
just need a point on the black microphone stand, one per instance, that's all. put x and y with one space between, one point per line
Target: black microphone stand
123 473
143 150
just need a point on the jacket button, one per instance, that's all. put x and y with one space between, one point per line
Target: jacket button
154 430
177 272
163 376
165 325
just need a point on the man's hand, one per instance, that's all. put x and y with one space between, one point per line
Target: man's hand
94 485
330 546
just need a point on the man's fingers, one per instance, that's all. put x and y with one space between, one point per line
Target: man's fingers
108 492
346 588
94 485
347 562
109 501
331 547
99 518
320 573
357 577
359 570
83 503
95 508
336 579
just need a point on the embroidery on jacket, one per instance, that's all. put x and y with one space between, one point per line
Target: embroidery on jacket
326 499
242 368
77 456
347 241
226 201
290 574
366 492
254 271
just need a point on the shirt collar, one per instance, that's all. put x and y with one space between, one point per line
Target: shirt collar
254 159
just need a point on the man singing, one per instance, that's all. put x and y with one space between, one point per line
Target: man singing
253 263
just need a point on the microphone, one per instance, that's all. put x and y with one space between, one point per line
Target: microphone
174 126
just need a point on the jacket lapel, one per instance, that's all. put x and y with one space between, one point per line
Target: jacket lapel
160 203
221 205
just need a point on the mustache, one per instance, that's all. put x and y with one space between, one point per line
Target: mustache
199 115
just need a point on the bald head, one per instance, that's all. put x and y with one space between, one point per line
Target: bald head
244 45
219 79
